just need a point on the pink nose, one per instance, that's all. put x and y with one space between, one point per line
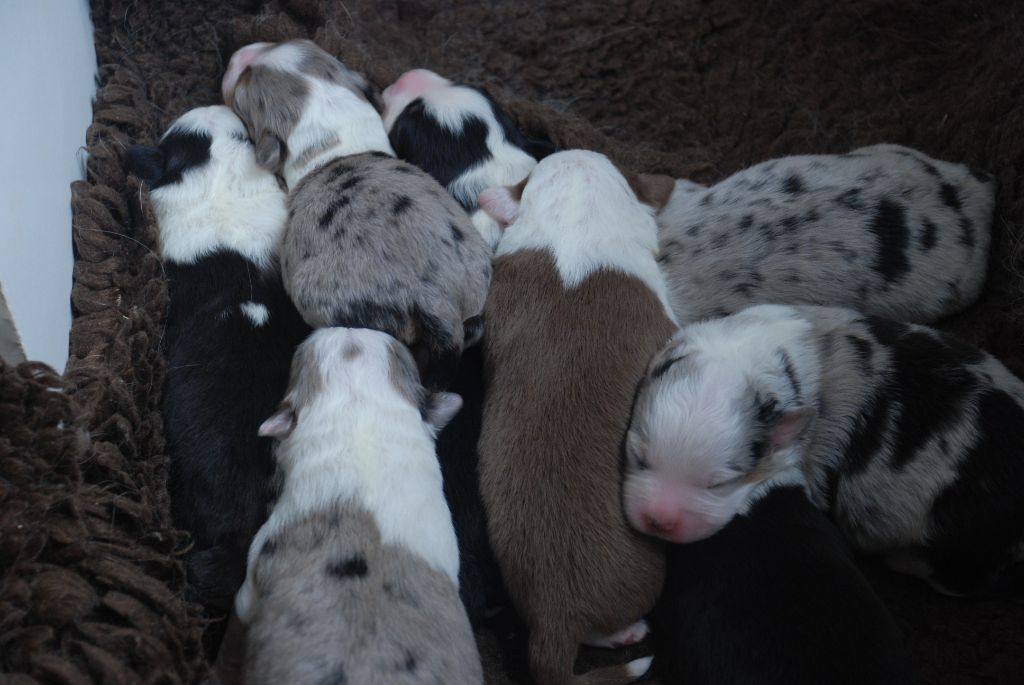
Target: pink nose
660 524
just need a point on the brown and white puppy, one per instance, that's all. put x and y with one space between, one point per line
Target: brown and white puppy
372 242
576 309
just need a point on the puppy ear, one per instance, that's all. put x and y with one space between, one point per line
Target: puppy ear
500 203
280 425
269 151
653 190
789 426
441 407
147 163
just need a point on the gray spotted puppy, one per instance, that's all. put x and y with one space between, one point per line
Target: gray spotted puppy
354 577
371 241
884 229
908 439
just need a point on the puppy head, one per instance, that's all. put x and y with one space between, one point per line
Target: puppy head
408 87
708 427
580 182
272 86
203 140
356 365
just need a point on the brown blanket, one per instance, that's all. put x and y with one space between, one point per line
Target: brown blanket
90 582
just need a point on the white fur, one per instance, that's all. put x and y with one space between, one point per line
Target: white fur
333 111
256 312
488 228
361 441
579 207
693 424
228 203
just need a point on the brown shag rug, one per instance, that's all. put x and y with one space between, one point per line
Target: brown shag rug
91 583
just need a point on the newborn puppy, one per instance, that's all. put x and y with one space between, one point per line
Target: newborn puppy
907 438
228 339
459 135
576 309
884 229
774 598
372 241
354 577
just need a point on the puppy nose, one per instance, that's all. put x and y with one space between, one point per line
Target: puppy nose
660 525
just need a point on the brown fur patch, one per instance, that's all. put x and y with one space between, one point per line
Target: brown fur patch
562 369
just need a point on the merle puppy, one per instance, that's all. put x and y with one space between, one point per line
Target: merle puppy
884 229
372 241
228 340
907 438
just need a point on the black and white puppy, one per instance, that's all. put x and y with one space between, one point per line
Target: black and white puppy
459 135
773 598
230 334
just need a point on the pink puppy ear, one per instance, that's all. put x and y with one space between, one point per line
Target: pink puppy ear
500 204
280 425
790 426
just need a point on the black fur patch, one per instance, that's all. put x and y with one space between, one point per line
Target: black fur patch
368 314
980 516
720 241
335 677
793 185
890 227
746 222
866 437
950 196
269 548
180 151
850 199
457 234
327 218
352 567
863 350
444 154
402 204
787 366
351 182
790 223
928 231
966 232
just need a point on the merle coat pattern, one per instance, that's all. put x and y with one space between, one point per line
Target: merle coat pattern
914 449
884 229
228 339
338 605
375 242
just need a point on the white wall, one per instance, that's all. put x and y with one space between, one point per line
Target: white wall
47 72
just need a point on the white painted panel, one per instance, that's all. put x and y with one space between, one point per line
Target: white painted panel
47 82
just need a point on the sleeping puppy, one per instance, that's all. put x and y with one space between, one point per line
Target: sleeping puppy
884 229
575 312
372 241
907 438
354 577
229 335
462 137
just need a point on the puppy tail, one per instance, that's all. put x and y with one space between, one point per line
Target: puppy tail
553 652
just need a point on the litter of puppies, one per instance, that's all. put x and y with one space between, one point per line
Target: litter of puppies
647 387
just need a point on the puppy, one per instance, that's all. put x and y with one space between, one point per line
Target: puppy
576 309
229 335
372 241
459 135
884 229
906 437
354 577
774 597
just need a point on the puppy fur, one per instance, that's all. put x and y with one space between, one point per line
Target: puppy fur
459 135
576 309
774 598
884 229
360 542
371 242
906 437
229 335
